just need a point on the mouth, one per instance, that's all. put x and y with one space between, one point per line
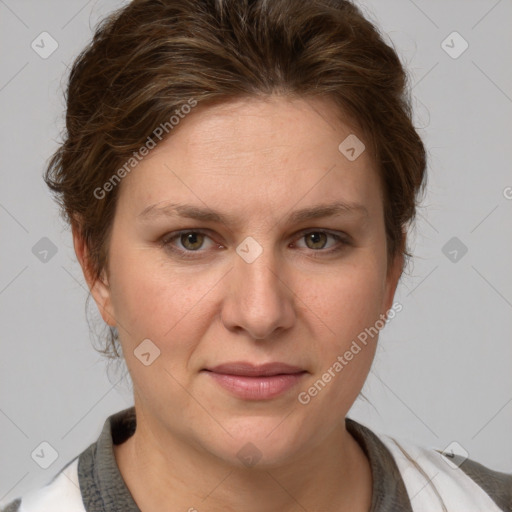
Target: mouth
256 382
244 369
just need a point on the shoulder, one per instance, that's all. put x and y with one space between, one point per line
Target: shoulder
13 506
87 479
432 476
61 494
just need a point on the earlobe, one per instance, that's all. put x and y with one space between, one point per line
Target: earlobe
100 291
98 286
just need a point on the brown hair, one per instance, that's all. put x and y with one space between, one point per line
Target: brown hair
151 58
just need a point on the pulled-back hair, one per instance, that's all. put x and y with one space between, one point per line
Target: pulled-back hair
152 61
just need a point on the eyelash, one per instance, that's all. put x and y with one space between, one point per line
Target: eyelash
188 254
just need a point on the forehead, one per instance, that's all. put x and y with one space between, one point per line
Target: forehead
253 155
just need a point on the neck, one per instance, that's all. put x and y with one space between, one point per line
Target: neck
335 475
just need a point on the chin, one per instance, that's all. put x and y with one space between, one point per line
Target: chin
257 443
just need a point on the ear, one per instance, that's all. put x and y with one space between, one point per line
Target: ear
99 287
394 273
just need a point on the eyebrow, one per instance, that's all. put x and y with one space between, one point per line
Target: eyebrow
208 215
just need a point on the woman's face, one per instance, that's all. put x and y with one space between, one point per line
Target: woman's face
255 282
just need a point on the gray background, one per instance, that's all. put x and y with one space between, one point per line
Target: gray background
442 371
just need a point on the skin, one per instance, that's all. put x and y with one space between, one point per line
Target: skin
257 160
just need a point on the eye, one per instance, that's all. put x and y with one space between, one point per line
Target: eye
190 241
317 240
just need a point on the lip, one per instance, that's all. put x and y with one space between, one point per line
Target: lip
256 382
246 369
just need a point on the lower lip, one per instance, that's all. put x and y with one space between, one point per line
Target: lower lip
257 388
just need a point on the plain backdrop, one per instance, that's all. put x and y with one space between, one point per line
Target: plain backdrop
442 373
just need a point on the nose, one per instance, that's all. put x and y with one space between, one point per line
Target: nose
258 300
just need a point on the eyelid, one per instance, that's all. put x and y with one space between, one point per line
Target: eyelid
342 241
169 237
344 237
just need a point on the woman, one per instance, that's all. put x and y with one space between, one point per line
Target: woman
239 177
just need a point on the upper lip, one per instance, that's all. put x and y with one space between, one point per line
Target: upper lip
245 369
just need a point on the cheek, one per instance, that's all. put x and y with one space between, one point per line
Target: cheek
348 305
346 300
156 301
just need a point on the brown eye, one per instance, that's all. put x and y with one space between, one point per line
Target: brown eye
187 243
322 243
192 240
317 240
